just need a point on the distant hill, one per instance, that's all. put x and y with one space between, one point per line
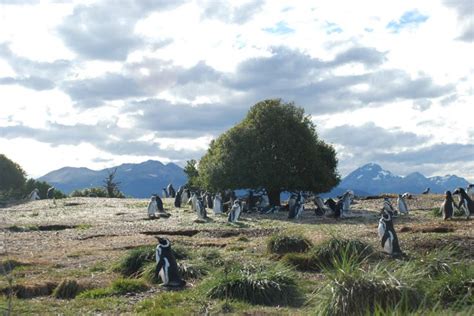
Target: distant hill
136 180
371 179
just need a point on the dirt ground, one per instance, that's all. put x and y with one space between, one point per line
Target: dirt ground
82 237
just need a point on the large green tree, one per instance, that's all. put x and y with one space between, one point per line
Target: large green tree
275 147
12 176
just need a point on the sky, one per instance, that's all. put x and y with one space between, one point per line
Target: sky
99 83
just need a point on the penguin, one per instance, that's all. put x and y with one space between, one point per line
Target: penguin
331 204
470 188
234 213
184 197
159 203
152 208
339 207
387 206
166 266
447 206
465 202
298 207
200 209
177 199
427 190
208 199
50 193
171 191
402 205
217 204
164 193
193 201
34 195
292 202
407 196
346 203
386 232
320 209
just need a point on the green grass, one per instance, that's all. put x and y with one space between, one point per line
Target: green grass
281 244
271 285
67 289
118 287
133 262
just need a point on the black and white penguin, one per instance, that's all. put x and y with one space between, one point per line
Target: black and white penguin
152 208
388 207
402 205
34 195
339 207
159 203
200 209
171 191
297 210
427 190
386 231
50 193
320 209
465 201
208 199
447 208
235 211
217 204
166 266
407 196
331 204
164 193
347 198
177 199
193 201
185 197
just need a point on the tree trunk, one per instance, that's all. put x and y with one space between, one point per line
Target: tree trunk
274 197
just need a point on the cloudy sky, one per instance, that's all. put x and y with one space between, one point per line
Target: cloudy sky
99 83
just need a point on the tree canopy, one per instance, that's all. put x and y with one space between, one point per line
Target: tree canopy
12 176
275 147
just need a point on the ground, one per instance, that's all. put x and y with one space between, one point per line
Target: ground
82 238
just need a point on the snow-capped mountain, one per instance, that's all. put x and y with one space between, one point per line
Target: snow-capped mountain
371 179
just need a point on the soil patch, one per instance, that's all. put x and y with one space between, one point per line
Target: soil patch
31 290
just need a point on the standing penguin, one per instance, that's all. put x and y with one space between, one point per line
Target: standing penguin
193 201
185 197
447 206
217 204
208 200
177 199
465 202
234 213
171 191
402 205
159 203
166 266
386 231
388 207
320 209
331 204
346 203
298 208
165 193
34 195
152 208
200 209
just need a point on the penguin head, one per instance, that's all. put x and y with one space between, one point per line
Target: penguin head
448 193
163 242
459 191
153 197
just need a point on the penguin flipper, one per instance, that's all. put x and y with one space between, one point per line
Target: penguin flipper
384 239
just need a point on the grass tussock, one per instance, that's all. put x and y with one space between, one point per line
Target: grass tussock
328 254
67 289
282 244
133 262
118 287
172 303
187 271
271 285
9 265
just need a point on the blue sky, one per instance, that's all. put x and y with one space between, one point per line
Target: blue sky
99 83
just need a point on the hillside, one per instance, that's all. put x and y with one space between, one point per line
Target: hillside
136 180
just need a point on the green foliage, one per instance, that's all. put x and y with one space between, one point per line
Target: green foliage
96 192
96 293
275 147
270 285
193 174
67 289
135 260
111 185
281 244
43 187
12 175
118 287
170 303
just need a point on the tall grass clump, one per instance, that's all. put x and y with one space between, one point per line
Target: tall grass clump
67 289
329 253
282 244
132 263
118 287
269 285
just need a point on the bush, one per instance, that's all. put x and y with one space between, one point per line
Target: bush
135 260
264 285
118 287
90 192
67 289
281 244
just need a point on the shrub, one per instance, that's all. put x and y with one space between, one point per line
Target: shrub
454 288
281 244
134 260
95 192
67 289
124 286
264 285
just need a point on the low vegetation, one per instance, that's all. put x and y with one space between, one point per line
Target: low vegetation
281 244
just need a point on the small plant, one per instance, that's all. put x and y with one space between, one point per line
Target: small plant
124 286
212 256
281 244
264 285
135 260
67 289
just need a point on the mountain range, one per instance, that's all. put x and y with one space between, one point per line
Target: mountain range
136 180
371 179
149 177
